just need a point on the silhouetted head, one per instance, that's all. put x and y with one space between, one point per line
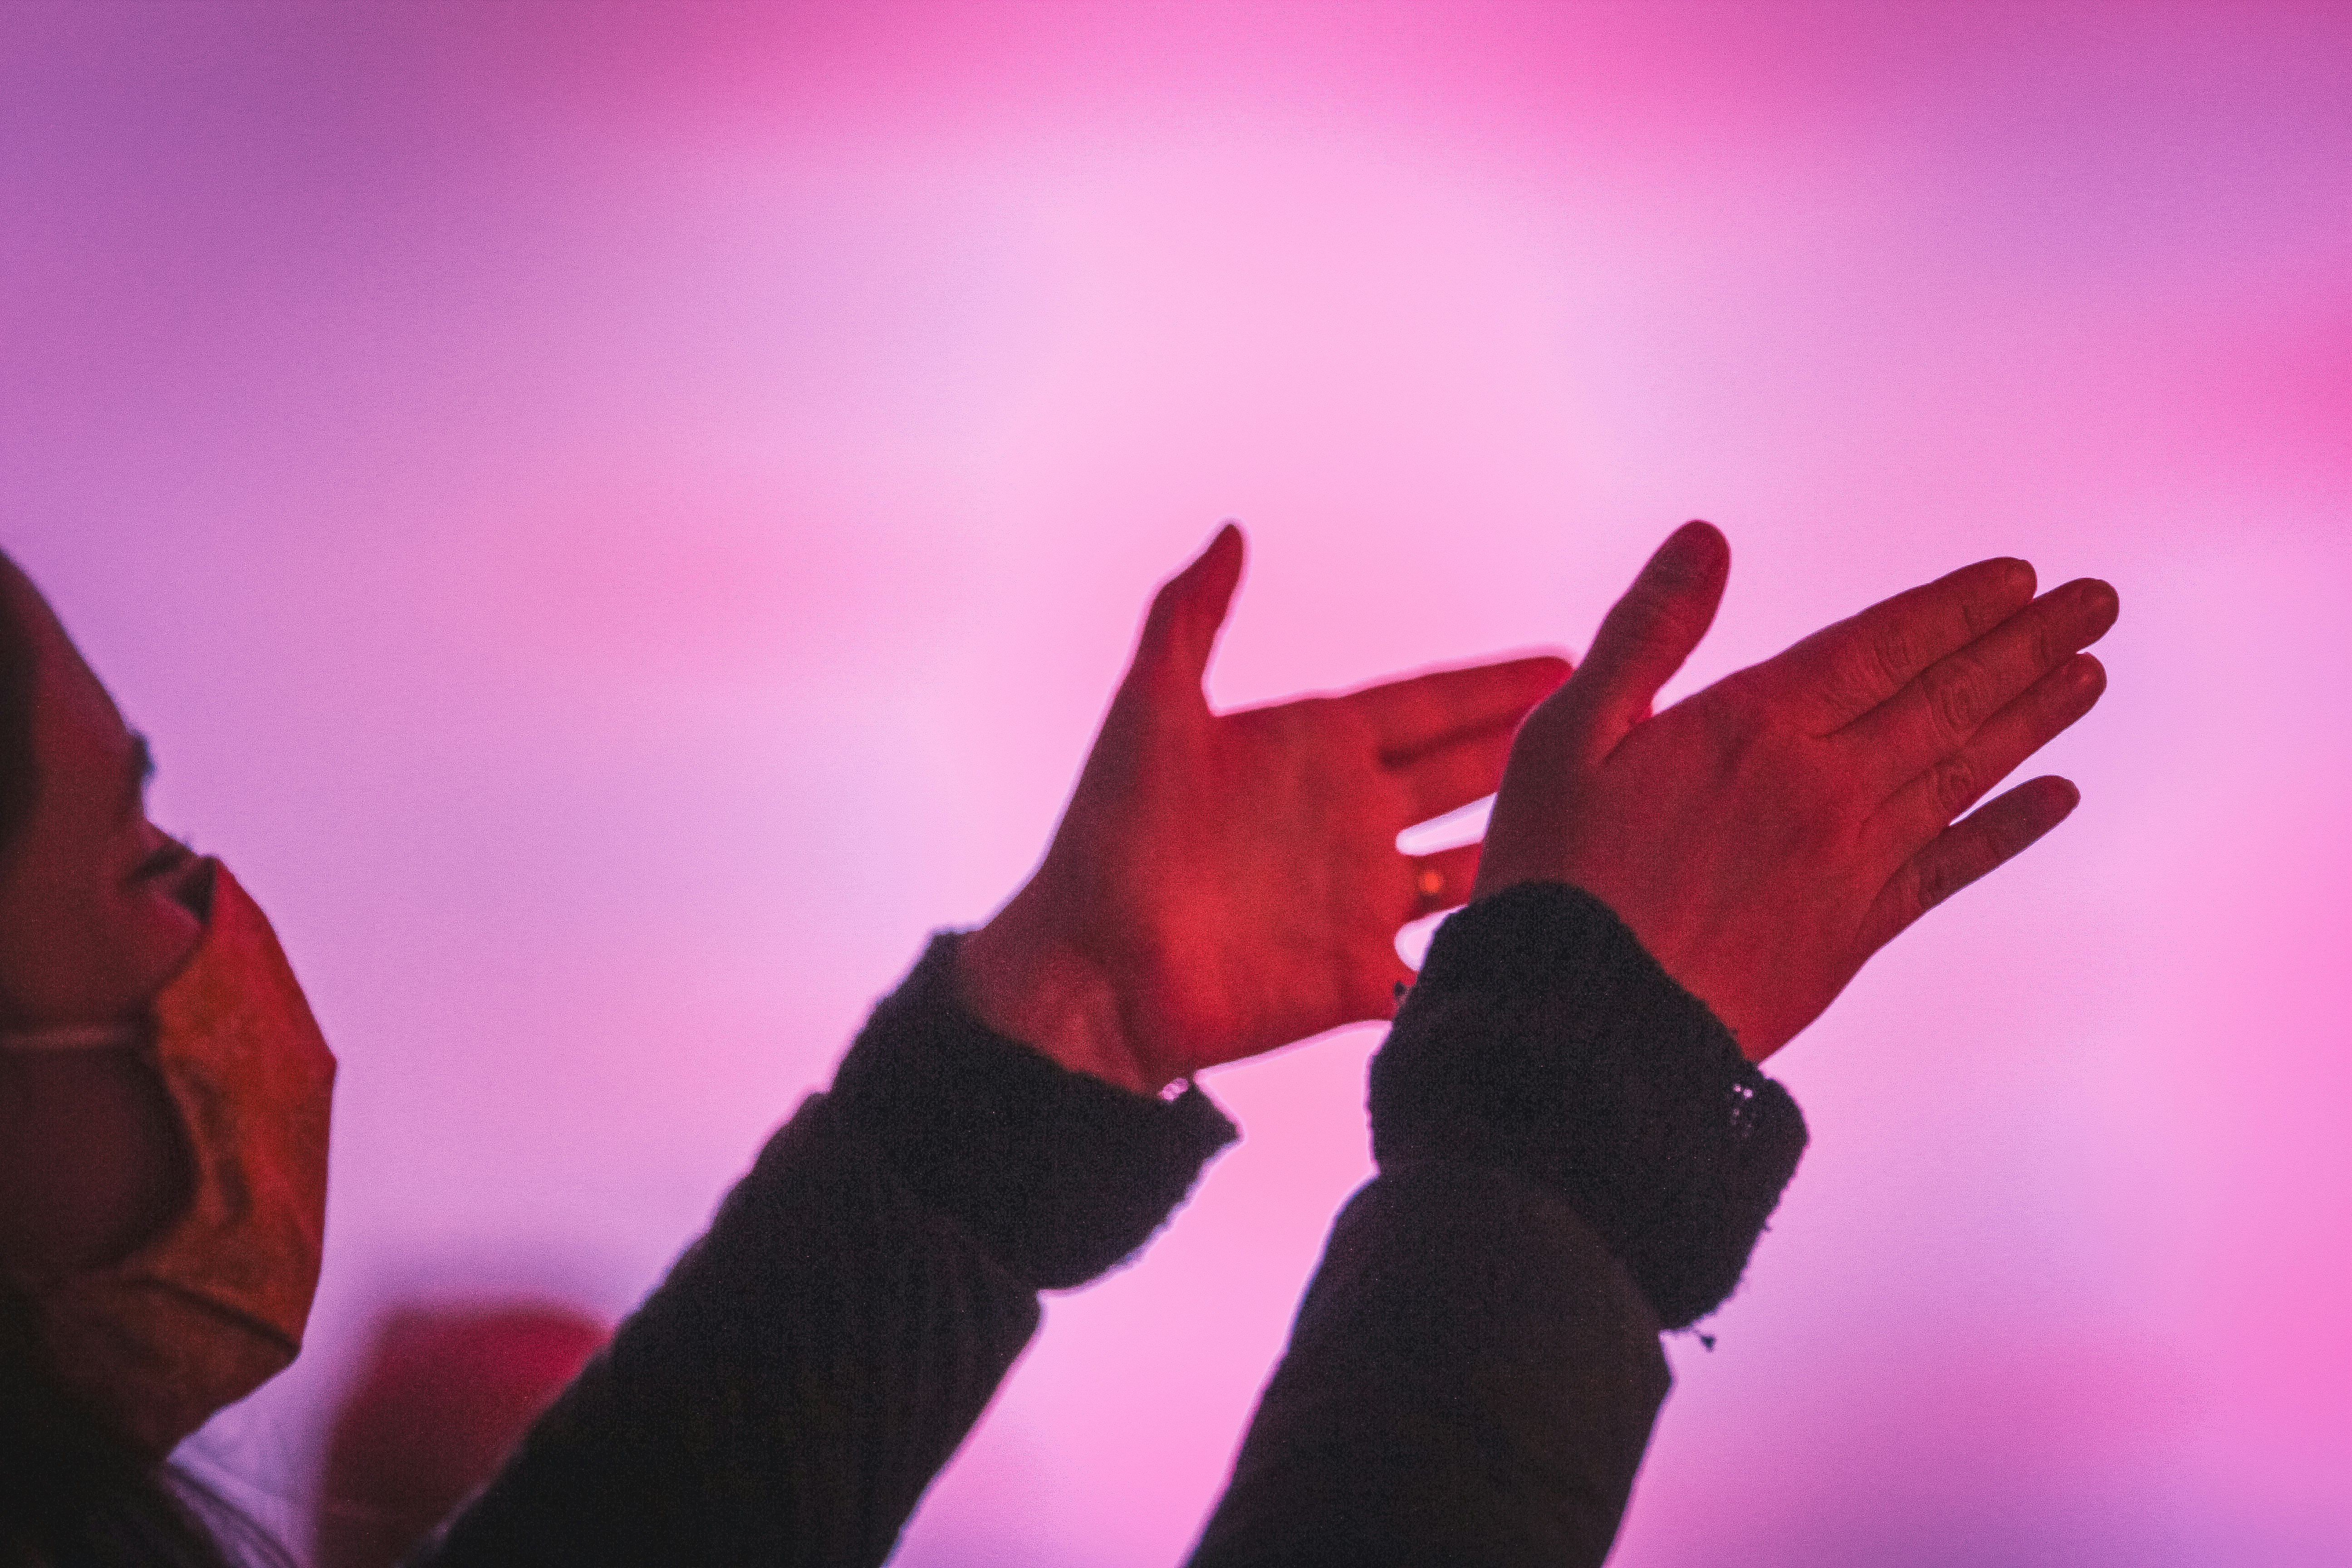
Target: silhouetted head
97 910
95 901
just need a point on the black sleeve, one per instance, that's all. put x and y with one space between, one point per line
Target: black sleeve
1572 1154
811 1361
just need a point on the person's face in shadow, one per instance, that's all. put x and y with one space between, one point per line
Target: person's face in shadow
97 912
94 899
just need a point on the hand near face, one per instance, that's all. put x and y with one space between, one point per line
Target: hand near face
1765 836
1226 883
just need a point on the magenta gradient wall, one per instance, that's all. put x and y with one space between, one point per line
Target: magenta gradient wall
618 521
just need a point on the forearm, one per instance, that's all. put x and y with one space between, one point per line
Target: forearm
1471 1381
1572 1154
786 1395
789 1392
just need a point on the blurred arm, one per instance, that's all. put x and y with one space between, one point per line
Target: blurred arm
791 1389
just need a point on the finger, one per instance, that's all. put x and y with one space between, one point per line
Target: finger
1424 713
1843 671
1648 634
1966 851
1443 879
1180 631
1926 804
1453 775
1931 721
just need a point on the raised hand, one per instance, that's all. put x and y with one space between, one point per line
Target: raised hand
1765 836
1222 884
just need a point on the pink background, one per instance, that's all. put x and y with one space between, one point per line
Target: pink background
619 522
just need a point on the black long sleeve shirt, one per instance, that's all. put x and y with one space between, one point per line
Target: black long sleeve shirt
1571 1153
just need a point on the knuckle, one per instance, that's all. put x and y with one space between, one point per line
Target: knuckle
2043 716
1954 692
1854 685
1997 590
1934 879
1954 785
1744 751
1893 654
2051 645
1864 671
1657 615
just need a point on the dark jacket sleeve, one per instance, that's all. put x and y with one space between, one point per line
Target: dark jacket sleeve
1573 1154
811 1361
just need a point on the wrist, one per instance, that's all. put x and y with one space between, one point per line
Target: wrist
1029 987
1543 1039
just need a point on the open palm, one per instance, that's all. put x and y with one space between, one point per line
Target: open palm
1224 884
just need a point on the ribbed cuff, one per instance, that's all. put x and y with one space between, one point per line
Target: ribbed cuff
1543 1039
1060 1176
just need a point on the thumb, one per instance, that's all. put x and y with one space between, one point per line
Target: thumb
1649 633
1188 612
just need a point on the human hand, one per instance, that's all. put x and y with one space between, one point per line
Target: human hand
1224 883
440 1400
1765 836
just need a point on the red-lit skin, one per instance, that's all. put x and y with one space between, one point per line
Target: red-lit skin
92 923
1766 835
1220 885
1224 884
445 1393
